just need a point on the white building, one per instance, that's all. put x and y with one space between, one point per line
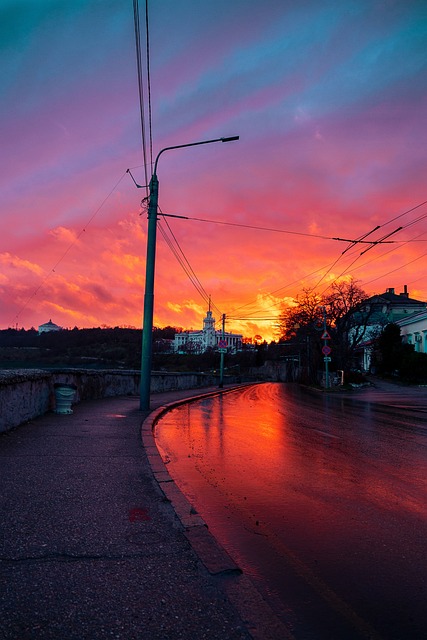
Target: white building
207 338
414 331
377 312
49 326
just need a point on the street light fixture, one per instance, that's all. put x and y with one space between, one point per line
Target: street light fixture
147 330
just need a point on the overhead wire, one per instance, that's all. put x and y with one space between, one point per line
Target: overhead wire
390 251
179 254
68 249
140 88
175 252
187 269
150 125
397 268
402 243
352 244
170 239
275 291
143 139
173 243
272 229
360 240
381 240
400 215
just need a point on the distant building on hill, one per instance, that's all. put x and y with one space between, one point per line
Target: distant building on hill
207 338
49 326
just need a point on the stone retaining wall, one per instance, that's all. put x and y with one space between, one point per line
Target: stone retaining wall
28 393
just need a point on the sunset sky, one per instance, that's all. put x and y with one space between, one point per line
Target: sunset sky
329 100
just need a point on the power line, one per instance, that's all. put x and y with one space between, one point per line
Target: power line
363 237
275 291
180 257
58 262
404 213
179 260
251 319
140 88
380 241
397 268
360 240
255 227
194 277
352 243
374 259
178 252
274 230
147 37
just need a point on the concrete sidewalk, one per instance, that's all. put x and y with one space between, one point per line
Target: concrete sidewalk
91 547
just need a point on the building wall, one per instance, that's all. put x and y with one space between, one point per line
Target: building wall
26 394
394 306
414 331
206 338
49 326
391 307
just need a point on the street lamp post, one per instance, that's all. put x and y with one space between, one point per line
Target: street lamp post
147 330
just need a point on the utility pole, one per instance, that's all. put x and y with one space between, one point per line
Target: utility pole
222 351
147 329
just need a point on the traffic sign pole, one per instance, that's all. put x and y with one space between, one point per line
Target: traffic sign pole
326 350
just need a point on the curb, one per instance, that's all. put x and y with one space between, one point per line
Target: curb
211 553
261 621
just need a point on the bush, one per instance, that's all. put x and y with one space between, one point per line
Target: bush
354 377
413 367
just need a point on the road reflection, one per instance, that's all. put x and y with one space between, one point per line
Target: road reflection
320 499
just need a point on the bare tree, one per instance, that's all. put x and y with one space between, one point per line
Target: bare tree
301 316
299 326
347 319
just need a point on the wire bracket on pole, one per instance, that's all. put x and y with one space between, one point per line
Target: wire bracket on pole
138 186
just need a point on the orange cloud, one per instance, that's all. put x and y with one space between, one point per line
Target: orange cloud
11 263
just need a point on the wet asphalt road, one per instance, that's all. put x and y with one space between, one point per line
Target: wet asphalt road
320 498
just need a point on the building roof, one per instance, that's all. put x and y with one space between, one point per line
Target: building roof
412 319
395 299
49 326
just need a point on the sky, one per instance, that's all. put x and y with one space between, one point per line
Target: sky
329 100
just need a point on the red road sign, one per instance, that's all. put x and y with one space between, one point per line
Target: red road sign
326 336
222 344
326 350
